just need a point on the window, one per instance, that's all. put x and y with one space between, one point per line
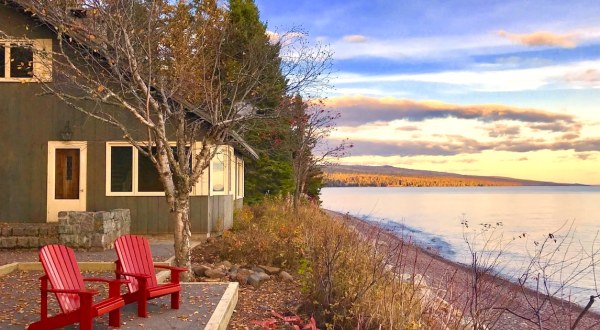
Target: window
22 61
130 173
121 165
2 61
239 175
220 172
217 174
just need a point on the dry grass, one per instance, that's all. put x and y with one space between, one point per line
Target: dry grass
350 279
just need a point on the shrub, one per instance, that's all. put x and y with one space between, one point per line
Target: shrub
345 274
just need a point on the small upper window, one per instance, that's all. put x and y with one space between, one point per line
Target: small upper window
24 60
21 61
2 61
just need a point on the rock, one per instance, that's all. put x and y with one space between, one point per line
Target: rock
254 280
244 271
214 273
210 240
223 266
270 270
242 278
262 276
285 276
257 269
200 270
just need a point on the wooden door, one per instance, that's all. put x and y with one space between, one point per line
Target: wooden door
66 177
66 184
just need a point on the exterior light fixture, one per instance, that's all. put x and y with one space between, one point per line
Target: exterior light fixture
67 133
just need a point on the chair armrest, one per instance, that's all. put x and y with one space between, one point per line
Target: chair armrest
94 279
174 269
138 275
79 292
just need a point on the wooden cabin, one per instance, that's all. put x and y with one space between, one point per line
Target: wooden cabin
53 158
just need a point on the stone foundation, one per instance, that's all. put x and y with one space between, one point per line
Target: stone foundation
27 235
93 230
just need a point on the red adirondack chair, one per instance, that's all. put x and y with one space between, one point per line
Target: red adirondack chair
75 301
136 265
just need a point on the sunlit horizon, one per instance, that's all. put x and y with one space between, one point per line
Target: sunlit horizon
495 89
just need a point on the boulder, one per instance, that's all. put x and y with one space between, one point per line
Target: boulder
285 276
254 280
225 264
257 269
200 270
262 276
270 270
241 278
214 273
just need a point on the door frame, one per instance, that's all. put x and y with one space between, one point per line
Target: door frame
51 202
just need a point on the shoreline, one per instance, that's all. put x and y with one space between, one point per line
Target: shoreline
518 304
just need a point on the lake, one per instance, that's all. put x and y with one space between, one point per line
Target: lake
516 221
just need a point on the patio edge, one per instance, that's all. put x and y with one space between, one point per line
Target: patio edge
224 310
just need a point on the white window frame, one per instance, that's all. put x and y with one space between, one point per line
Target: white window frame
226 164
202 186
134 172
42 70
239 178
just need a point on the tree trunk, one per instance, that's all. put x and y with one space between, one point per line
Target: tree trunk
180 216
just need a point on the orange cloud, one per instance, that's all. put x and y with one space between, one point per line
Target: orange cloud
359 110
355 38
541 38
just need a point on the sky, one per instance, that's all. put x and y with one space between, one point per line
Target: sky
506 88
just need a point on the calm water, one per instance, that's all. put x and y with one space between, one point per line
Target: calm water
514 220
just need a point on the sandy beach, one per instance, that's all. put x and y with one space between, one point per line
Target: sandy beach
502 304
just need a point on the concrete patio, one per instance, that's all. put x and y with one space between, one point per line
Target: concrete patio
203 305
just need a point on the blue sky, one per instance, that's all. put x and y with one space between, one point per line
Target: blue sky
477 87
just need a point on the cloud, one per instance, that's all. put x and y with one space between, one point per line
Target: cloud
408 128
556 76
414 148
500 130
585 77
355 38
558 126
541 38
285 38
461 145
359 110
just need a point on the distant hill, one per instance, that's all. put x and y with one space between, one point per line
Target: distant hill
390 176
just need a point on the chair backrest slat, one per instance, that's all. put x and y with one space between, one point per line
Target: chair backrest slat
135 256
63 272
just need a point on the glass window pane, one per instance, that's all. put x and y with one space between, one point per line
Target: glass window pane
2 61
148 178
21 61
121 164
218 172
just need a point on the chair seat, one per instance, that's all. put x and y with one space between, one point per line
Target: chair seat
163 289
108 305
